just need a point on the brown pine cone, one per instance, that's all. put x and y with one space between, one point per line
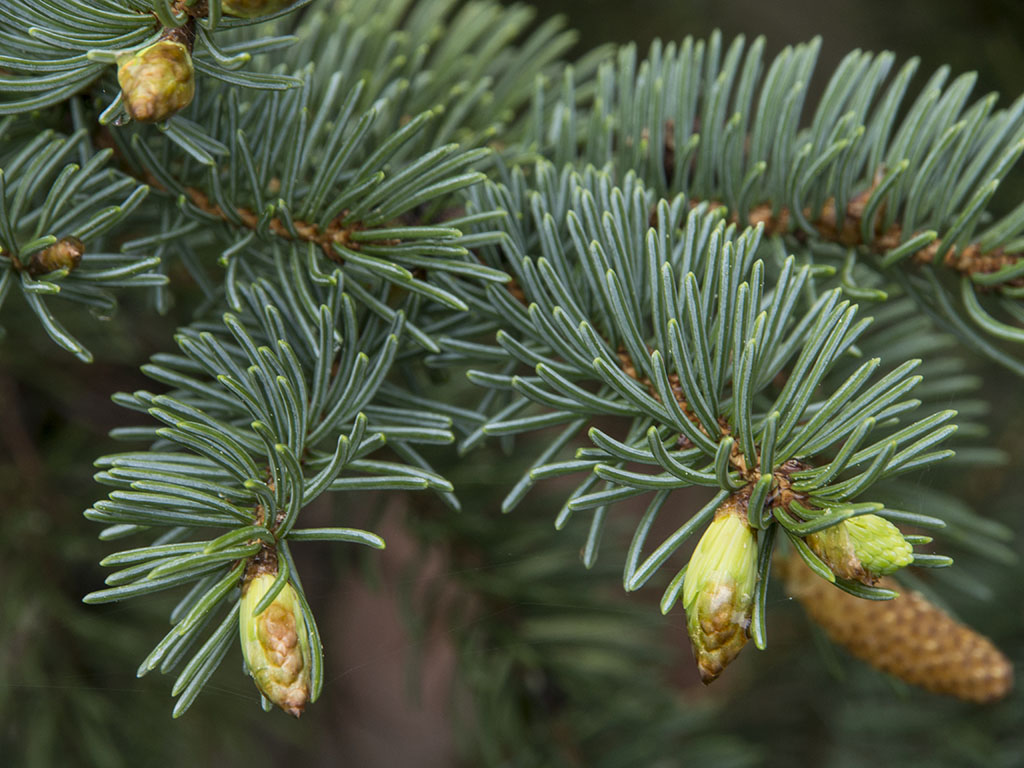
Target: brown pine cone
908 637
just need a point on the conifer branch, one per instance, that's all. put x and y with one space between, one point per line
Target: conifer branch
55 51
603 323
658 264
701 118
997 268
53 218
260 421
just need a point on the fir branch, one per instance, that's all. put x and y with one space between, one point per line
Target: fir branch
303 179
721 376
990 269
267 411
53 218
475 61
348 203
700 118
57 50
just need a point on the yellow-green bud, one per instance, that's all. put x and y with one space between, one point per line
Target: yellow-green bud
248 9
879 544
718 591
862 548
157 81
275 645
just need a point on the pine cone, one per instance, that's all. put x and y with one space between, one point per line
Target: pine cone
908 637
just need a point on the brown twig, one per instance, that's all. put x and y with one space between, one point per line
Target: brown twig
334 233
185 34
782 494
969 260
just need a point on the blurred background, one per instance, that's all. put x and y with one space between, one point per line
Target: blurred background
432 658
982 36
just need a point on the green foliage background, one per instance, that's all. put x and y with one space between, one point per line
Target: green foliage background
68 693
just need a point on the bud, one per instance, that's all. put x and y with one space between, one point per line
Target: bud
718 591
66 253
879 544
862 548
907 637
248 9
157 81
275 645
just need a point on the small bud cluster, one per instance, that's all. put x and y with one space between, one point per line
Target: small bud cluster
159 81
718 590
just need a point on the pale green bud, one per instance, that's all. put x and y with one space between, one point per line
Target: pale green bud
157 81
718 591
275 645
248 9
879 544
862 548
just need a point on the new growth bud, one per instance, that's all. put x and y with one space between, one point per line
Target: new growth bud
879 544
275 645
66 253
863 548
718 591
157 81
248 9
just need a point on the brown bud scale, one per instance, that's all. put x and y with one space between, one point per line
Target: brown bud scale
66 253
908 637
